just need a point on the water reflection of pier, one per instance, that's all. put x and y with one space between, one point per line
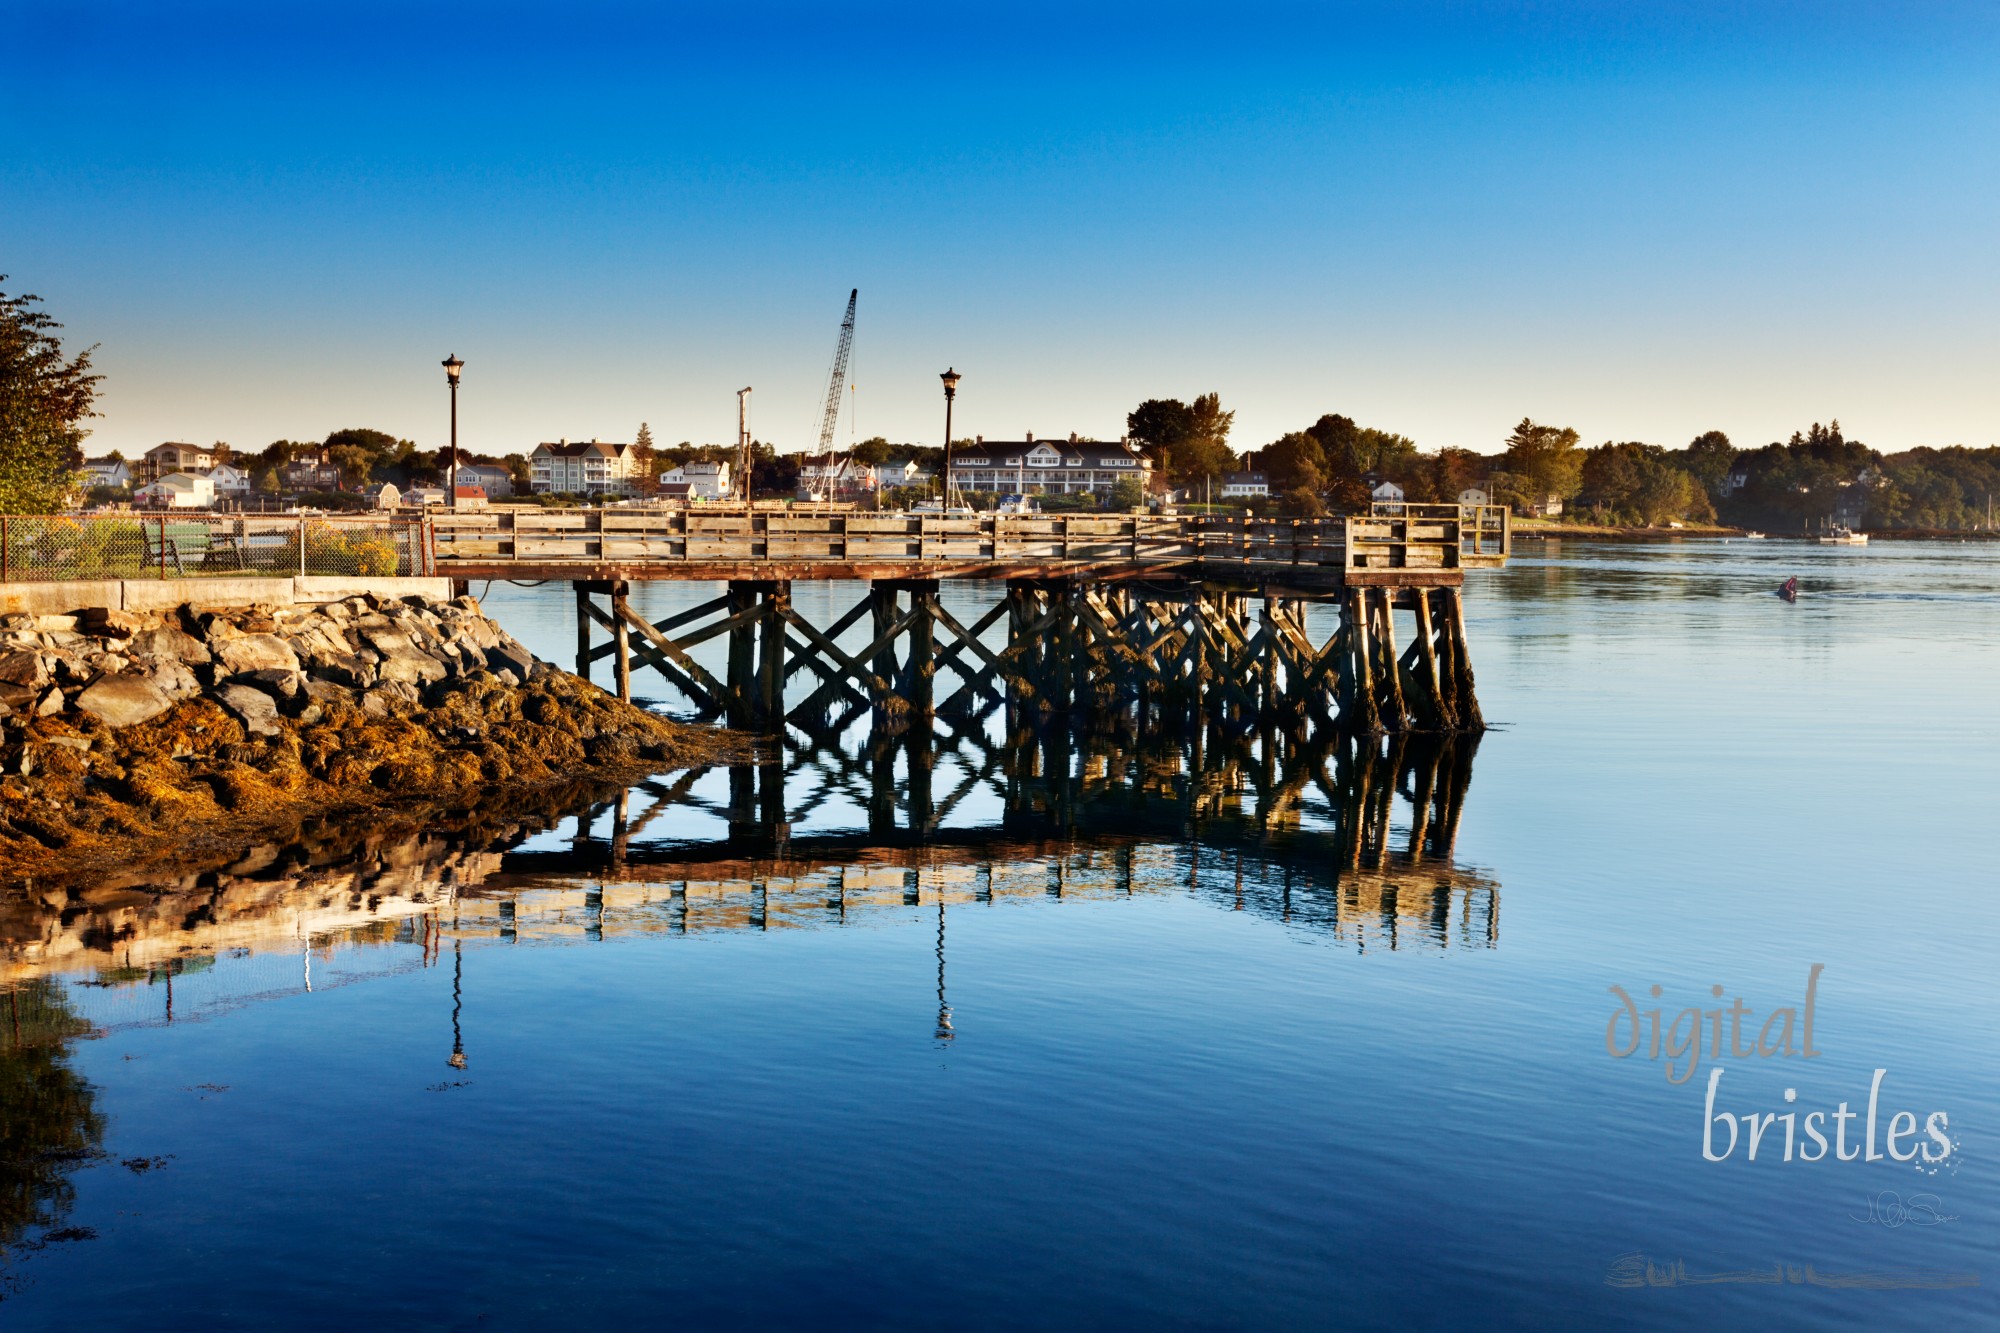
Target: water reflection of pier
1338 837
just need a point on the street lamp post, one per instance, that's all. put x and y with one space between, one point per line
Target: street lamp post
950 378
452 365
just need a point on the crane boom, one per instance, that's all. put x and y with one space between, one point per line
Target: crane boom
833 385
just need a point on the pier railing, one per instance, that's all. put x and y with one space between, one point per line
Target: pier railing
1437 537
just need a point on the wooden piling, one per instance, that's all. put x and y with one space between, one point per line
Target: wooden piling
621 640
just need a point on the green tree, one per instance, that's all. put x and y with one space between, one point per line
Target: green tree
646 462
1708 458
1640 484
1545 459
873 451
1127 493
1158 425
356 462
45 397
1294 462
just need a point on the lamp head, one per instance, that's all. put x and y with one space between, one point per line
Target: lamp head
452 365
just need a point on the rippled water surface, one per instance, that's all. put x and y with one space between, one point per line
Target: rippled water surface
1275 1035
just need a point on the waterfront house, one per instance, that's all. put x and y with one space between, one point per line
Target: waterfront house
492 478
701 481
1387 492
231 482
1549 506
469 497
1473 495
424 495
174 456
176 490
1245 485
824 476
1063 467
107 472
382 496
585 467
312 472
1739 475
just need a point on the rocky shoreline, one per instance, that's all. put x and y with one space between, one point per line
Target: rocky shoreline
131 738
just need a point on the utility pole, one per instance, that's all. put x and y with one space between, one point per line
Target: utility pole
743 442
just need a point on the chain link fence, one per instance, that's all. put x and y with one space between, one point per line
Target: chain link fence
48 548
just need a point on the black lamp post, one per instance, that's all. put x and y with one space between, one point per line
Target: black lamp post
452 365
950 378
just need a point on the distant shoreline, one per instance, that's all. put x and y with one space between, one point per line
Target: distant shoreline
1523 530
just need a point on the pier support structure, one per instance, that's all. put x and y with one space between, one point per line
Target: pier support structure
1394 658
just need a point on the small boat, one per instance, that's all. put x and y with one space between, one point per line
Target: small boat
1789 589
1753 536
1842 535
1018 504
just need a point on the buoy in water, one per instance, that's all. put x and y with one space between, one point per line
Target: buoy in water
1789 589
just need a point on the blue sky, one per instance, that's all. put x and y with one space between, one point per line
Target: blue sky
1643 221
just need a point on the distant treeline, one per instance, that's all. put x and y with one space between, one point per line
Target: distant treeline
1817 476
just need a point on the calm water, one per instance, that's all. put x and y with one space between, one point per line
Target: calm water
1134 1040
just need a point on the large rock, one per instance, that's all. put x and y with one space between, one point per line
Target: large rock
254 652
23 667
256 710
508 655
283 686
168 644
121 701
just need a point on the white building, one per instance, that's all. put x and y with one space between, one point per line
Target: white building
826 475
177 490
492 478
1472 495
1245 485
1063 467
586 467
231 482
1387 493
704 481
174 456
107 472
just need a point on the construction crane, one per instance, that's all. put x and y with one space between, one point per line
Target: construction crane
838 380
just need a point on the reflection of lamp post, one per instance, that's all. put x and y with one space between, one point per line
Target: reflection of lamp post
457 1060
944 1032
452 365
950 378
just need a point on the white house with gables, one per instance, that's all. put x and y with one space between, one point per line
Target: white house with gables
1048 467
231 482
582 467
177 490
107 472
704 481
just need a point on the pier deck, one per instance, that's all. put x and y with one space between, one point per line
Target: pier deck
1422 546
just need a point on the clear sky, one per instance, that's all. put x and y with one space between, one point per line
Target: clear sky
1642 220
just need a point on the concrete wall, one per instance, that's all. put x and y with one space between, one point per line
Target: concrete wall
53 599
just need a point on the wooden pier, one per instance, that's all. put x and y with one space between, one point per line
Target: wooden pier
1198 616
